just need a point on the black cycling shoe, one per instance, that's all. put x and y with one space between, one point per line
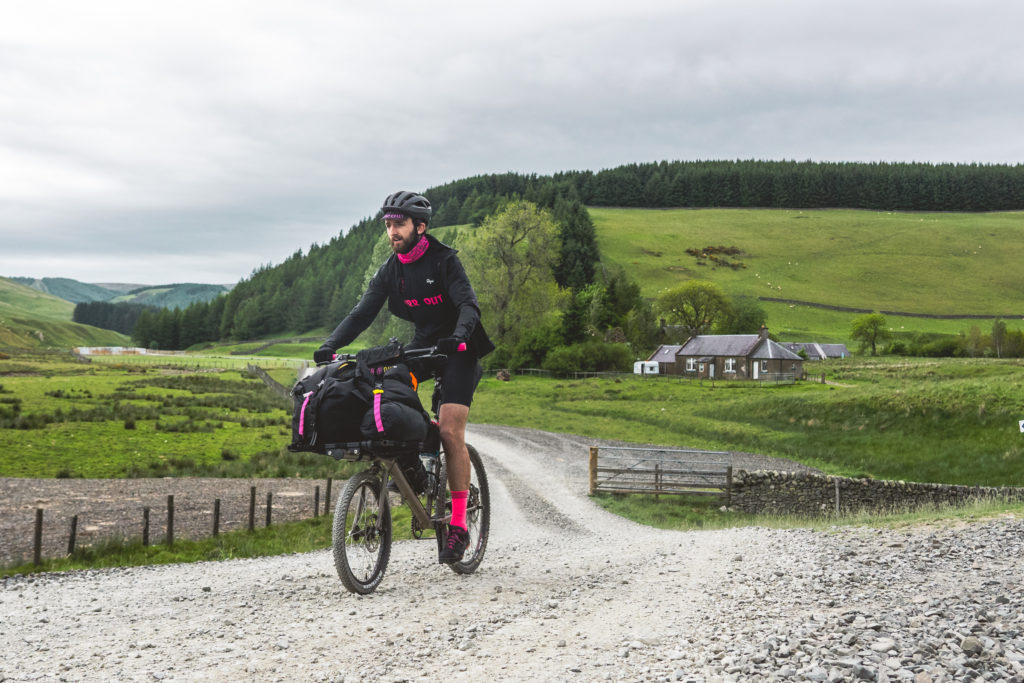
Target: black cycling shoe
417 477
458 540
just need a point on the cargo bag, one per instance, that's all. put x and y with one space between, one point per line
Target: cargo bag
329 406
395 411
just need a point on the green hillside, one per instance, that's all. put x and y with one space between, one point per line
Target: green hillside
30 318
20 300
934 263
171 296
68 289
179 295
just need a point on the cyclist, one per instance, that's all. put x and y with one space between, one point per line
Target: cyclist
424 282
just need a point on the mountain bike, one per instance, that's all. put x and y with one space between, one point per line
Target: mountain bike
362 533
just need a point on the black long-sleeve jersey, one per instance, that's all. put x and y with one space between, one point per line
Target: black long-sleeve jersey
432 292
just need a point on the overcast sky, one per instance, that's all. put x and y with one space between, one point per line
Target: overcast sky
191 141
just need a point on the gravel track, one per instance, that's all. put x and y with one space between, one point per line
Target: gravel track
566 592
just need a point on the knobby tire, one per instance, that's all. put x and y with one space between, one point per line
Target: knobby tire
362 547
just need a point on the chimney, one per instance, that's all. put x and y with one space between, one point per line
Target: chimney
763 333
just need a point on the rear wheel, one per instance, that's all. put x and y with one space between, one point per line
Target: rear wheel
361 536
478 514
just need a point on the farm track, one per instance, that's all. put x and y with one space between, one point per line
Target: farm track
567 592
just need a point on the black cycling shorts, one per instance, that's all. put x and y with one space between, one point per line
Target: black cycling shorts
460 378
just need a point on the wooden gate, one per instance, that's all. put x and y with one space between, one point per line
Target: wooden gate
660 471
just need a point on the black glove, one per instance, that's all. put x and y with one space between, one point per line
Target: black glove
450 345
323 354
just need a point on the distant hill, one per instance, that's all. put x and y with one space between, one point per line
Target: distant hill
68 289
171 296
20 299
161 296
30 318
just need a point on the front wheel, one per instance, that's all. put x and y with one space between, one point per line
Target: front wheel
478 514
361 537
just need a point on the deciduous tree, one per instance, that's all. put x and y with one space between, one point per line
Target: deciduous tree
510 258
696 305
870 330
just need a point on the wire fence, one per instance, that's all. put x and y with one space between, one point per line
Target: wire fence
49 531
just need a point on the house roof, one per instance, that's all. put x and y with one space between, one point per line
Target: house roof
666 353
719 345
835 350
817 351
736 345
769 349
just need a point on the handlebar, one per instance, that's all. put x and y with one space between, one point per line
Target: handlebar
425 353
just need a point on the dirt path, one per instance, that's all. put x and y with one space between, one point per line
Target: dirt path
567 592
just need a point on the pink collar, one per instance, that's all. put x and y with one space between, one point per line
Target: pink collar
416 252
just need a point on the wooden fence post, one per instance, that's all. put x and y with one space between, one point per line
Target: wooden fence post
728 486
316 502
593 470
252 508
657 479
327 498
170 521
72 537
145 526
37 539
270 498
216 517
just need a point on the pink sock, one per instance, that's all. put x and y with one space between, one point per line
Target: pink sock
459 499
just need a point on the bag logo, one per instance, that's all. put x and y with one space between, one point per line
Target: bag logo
429 281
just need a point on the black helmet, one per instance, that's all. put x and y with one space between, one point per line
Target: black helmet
408 203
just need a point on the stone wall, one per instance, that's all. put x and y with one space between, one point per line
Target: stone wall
795 493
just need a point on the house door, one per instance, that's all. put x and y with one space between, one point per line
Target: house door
711 370
757 367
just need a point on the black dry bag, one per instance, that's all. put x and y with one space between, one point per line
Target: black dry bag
395 411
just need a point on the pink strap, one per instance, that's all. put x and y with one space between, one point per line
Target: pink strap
302 414
376 410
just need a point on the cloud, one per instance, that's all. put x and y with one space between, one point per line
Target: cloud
180 132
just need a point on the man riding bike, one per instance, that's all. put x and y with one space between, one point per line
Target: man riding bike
424 282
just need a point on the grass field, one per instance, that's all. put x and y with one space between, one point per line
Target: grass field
911 262
61 418
948 421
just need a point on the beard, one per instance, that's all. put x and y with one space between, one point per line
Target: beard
405 245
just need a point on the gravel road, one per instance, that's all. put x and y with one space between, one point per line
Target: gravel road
567 592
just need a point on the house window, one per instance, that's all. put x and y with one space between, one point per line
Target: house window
691 364
702 367
730 365
764 366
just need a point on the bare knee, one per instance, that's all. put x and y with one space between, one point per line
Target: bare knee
451 435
